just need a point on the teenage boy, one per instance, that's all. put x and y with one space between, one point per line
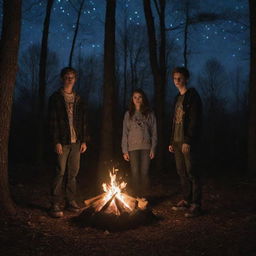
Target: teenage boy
68 131
185 133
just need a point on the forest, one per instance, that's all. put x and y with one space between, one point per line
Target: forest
117 46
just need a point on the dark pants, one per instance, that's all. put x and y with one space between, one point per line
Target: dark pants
140 162
69 163
186 168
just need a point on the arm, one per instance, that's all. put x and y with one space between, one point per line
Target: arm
153 135
84 122
170 147
172 122
125 137
194 119
83 147
53 124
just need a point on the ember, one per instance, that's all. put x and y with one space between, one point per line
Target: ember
114 209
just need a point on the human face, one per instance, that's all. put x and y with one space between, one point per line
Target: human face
137 100
69 79
179 80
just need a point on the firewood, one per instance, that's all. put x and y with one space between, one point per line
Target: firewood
107 203
121 206
92 200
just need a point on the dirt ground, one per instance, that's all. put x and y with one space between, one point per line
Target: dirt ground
227 226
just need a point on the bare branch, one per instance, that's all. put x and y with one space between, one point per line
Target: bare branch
175 28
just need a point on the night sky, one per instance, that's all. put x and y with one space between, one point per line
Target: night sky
227 40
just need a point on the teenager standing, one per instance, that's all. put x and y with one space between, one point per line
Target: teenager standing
139 139
185 134
68 131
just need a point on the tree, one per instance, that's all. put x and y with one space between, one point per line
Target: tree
89 68
252 93
42 81
239 115
24 114
79 12
192 17
107 130
123 35
27 81
158 66
136 53
212 81
134 56
9 46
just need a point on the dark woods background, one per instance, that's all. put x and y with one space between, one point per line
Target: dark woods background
222 84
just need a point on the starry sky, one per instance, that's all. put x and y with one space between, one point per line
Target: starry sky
227 39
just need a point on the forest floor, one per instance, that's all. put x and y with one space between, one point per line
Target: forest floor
226 227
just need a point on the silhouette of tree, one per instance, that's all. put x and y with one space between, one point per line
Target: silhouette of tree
9 46
107 129
252 92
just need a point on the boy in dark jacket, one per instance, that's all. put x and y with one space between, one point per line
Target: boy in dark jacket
185 133
68 131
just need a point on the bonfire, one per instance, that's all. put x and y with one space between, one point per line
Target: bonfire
114 209
114 200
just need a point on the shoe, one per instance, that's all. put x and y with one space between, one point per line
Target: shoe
56 211
73 206
181 206
193 211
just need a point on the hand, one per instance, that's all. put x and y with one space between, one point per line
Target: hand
171 149
151 154
185 148
126 157
83 148
58 149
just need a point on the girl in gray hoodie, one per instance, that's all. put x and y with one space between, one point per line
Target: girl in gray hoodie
139 139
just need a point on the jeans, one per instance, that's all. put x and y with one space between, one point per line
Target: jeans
140 162
69 163
186 169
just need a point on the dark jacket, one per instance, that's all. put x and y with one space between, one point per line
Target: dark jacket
58 119
192 106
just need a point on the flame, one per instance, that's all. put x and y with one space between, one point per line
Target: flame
114 190
114 200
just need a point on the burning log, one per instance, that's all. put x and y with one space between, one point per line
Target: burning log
107 204
114 209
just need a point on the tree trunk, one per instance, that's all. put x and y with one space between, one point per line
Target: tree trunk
76 32
9 46
252 93
185 50
160 97
125 76
42 83
152 41
158 70
125 42
107 128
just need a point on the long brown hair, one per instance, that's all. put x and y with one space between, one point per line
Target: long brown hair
145 109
